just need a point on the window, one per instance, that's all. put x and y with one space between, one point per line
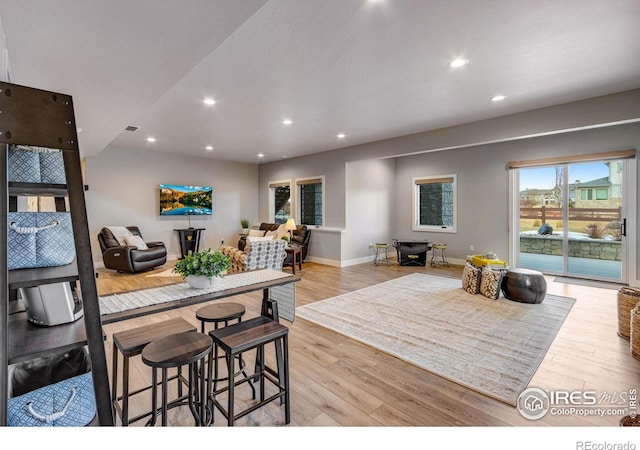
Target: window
279 201
435 201
602 194
311 200
586 194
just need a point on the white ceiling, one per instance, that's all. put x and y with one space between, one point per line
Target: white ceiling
372 70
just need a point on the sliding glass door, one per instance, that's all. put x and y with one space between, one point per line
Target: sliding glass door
572 220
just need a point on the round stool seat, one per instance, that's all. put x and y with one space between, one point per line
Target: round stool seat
524 285
177 350
220 312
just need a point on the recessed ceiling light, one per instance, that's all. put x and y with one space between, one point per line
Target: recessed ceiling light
341 136
151 139
287 121
458 62
498 98
209 147
209 101
260 155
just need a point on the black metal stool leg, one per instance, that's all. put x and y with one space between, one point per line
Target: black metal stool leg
154 397
114 381
230 357
285 369
164 397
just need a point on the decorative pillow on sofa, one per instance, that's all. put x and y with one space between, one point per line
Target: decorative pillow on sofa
278 233
258 239
256 233
471 276
490 283
136 241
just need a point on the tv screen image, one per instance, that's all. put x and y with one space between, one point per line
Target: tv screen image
178 200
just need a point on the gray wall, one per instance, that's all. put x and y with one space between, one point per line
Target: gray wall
124 190
370 197
483 183
477 152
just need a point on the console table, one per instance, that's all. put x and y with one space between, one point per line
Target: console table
189 240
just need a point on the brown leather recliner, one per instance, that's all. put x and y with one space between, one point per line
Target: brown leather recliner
128 258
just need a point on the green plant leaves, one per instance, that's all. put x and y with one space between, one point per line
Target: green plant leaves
207 263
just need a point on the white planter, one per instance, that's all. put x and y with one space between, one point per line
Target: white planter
202 282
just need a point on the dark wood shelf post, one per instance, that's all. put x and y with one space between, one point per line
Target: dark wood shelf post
46 119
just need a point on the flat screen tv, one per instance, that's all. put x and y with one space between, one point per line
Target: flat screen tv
177 200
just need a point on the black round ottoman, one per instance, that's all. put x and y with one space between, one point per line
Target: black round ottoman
524 285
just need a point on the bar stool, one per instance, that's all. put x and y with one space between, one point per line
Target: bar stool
443 255
244 336
177 350
218 313
130 343
382 254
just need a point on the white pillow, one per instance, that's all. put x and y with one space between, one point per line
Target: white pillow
278 233
256 233
136 241
257 239
120 233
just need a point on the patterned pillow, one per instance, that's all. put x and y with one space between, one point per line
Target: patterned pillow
471 276
490 283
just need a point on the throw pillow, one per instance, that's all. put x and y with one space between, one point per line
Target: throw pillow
256 233
490 283
136 241
258 239
471 277
120 233
278 232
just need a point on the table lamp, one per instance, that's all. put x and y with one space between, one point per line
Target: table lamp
290 226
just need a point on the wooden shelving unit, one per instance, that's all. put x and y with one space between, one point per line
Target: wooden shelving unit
46 119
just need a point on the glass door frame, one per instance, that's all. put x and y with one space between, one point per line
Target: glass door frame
629 208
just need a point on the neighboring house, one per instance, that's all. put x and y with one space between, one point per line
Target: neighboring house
538 197
605 192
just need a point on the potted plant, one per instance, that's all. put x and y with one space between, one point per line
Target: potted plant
244 222
202 269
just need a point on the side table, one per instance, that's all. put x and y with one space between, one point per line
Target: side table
296 255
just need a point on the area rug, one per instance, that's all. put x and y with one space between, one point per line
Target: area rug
491 346
164 273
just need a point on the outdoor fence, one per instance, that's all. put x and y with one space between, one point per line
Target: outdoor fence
544 214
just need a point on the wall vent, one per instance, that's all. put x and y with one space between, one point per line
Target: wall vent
132 128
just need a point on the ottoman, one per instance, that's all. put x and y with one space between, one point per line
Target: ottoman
524 285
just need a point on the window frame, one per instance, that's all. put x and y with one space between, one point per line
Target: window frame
272 185
600 191
298 182
416 183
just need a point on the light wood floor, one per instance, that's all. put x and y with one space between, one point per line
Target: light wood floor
340 382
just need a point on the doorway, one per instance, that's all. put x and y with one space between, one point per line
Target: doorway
571 219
